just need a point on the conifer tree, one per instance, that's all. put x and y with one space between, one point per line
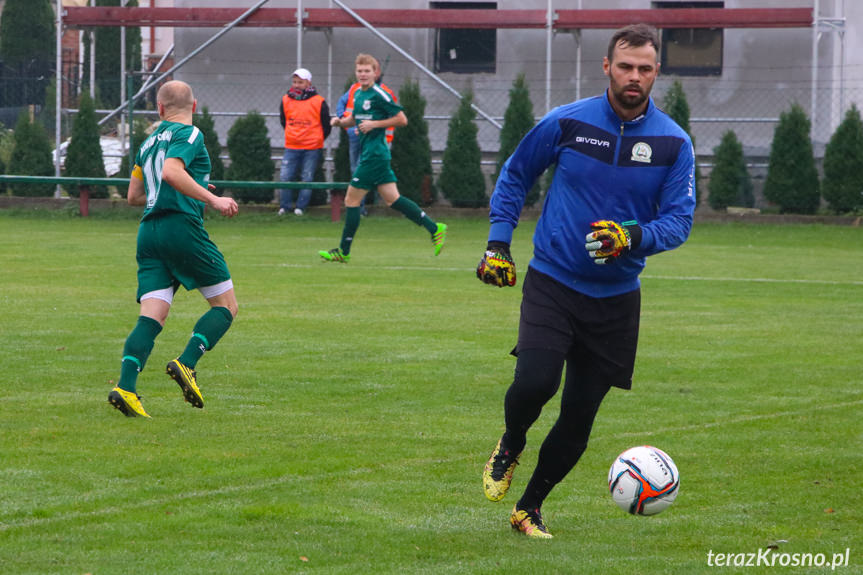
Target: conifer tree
107 57
48 112
411 146
341 162
461 179
249 150
31 156
205 122
792 179
84 155
6 145
843 165
27 48
140 131
139 134
730 184
517 121
676 106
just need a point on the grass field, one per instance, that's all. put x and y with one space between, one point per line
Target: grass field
350 409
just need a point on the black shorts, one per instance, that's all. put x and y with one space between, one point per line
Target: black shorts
600 335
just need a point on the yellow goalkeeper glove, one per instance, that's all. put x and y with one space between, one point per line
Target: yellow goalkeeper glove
609 240
496 266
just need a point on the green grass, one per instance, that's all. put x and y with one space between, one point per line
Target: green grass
351 408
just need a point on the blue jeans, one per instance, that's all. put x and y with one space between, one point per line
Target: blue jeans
305 162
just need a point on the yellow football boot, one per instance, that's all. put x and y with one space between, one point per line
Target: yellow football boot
185 378
529 522
127 402
497 475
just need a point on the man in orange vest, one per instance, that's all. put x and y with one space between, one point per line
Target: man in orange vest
305 116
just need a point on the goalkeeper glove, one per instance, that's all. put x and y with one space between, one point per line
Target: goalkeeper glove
609 240
496 266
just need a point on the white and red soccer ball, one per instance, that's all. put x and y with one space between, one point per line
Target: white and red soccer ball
643 480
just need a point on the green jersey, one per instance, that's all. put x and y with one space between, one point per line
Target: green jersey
374 104
173 140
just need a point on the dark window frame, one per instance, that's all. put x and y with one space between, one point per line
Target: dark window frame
677 36
477 46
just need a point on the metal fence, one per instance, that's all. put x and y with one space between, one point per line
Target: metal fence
231 85
756 110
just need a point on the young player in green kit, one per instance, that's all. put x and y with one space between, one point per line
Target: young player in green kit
374 112
170 179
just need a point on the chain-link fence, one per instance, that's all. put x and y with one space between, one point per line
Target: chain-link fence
752 110
748 97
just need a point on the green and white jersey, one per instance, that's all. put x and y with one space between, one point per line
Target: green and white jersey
173 140
374 104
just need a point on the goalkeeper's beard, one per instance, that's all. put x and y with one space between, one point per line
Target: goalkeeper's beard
629 101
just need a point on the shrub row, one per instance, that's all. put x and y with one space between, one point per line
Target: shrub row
792 182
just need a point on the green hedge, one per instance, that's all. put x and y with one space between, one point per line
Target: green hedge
461 179
792 179
249 150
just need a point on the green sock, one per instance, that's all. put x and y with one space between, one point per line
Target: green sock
136 350
414 213
352 222
207 333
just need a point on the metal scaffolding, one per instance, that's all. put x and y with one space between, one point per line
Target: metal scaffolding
549 19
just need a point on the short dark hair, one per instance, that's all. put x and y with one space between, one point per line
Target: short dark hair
634 35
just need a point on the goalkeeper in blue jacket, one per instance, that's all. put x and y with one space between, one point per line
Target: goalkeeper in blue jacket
623 189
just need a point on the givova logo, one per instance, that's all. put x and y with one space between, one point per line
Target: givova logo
592 141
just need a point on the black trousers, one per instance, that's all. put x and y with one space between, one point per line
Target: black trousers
596 338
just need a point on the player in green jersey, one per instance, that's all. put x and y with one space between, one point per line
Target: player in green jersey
170 178
375 111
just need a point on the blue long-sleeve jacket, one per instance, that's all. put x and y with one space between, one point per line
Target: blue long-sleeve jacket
341 106
639 171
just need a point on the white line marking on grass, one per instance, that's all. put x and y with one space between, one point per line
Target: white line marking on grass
371 267
755 280
162 501
645 276
123 509
740 419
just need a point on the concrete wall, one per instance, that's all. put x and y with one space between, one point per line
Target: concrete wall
764 70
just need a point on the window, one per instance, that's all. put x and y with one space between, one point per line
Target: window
467 50
691 51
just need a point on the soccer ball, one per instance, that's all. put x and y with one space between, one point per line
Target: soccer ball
643 480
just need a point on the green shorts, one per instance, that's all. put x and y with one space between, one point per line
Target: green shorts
371 173
174 249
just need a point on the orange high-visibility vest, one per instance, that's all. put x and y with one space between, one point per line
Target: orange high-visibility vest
349 107
303 130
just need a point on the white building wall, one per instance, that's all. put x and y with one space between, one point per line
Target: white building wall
764 70
847 79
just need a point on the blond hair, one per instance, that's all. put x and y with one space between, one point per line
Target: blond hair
367 60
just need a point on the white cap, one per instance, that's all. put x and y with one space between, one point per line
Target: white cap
303 74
